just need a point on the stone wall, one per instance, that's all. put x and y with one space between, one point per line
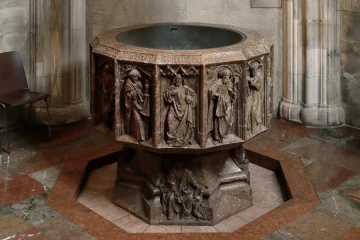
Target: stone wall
14 36
108 14
15 32
15 28
350 57
60 56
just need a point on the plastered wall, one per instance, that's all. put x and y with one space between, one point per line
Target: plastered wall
350 60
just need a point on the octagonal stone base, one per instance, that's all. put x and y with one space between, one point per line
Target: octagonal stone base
143 186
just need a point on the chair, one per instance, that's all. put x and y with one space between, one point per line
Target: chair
14 89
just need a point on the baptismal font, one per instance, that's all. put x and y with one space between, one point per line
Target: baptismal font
182 99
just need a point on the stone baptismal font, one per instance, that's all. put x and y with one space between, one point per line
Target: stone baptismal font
182 98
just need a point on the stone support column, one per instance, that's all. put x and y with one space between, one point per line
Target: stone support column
294 60
58 54
312 63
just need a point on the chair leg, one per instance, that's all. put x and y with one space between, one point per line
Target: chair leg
3 108
47 108
29 112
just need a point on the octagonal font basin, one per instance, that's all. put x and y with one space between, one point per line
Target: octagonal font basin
206 60
180 37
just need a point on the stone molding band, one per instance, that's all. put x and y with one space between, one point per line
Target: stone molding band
312 115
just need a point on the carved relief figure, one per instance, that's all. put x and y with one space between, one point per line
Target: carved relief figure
182 194
136 106
180 119
239 157
254 113
105 80
222 96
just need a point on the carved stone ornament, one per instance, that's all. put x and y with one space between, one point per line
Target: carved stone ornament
106 95
137 105
254 98
214 104
182 194
222 96
183 107
180 118
191 190
242 162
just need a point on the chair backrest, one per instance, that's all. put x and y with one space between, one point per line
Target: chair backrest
12 74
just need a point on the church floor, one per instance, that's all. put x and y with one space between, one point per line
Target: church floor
306 185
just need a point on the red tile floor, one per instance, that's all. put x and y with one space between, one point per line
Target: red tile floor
38 175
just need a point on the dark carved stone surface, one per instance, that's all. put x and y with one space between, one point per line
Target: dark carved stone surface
239 157
182 194
218 110
254 101
222 95
182 116
168 189
105 98
133 103
137 105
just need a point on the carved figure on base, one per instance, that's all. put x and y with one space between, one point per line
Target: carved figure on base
182 194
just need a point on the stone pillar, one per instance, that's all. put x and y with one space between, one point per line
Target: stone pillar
59 53
350 60
294 60
312 63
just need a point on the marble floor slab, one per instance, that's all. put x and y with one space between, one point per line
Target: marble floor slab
330 157
335 136
343 203
47 176
18 187
281 235
309 148
314 225
325 176
56 228
10 225
34 210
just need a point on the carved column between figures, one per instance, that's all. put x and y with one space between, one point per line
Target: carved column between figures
312 63
58 57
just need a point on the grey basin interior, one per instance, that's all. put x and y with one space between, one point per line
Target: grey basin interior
180 37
